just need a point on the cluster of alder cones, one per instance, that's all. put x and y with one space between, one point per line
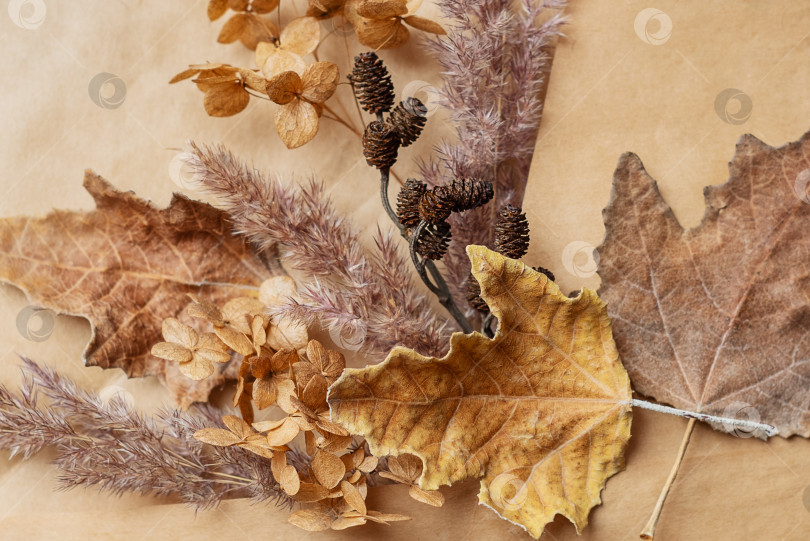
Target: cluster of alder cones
424 211
428 209
281 367
375 93
282 75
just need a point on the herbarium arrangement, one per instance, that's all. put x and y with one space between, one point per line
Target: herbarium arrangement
196 295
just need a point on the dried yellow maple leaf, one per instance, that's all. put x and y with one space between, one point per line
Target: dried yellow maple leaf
541 412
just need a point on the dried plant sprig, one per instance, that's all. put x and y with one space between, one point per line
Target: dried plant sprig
495 60
434 206
110 446
347 287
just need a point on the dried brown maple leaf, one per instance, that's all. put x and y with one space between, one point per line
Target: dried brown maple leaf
126 266
541 412
716 319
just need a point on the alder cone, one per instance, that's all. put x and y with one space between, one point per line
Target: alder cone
474 295
548 273
380 145
372 83
408 118
408 202
470 193
436 204
716 319
433 241
512 233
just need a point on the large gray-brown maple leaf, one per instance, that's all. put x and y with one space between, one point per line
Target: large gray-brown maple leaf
126 266
716 319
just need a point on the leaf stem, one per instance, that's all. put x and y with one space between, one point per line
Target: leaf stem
738 423
649 529
748 426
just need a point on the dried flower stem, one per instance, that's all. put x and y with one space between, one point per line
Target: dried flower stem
340 120
384 182
440 288
745 424
768 430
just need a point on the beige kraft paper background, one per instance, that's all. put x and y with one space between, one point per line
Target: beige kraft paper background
630 76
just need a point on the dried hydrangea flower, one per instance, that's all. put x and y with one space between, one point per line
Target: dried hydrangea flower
232 337
299 38
300 98
319 363
246 26
407 469
194 353
379 23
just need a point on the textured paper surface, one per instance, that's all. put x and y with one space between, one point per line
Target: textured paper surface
610 92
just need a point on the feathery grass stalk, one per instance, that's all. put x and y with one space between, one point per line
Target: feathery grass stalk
495 60
112 447
347 288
